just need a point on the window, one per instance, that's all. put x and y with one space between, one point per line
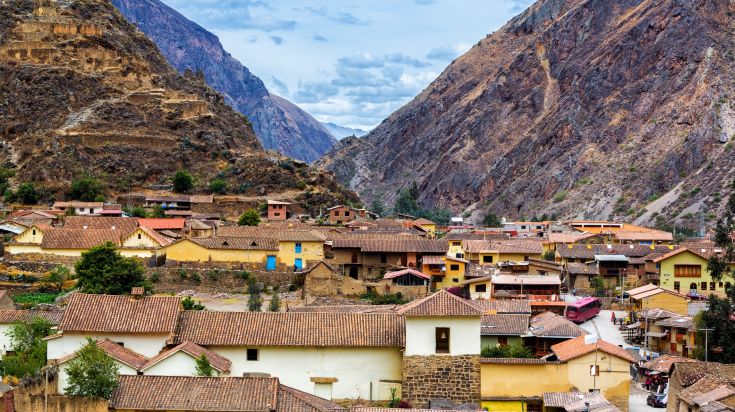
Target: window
503 341
455 280
139 236
347 213
298 247
487 259
277 214
442 340
704 285
383 258
453 267
687 271
456 243
252 354
34 232
712 286
480 288
692 287
677 286
722 284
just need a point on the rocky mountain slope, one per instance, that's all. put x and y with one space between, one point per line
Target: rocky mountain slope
580 108
84 92
342 131
278 123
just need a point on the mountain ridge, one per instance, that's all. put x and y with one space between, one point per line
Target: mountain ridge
278 123
522 124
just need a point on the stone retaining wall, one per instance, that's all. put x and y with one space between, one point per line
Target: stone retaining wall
174 280
456 378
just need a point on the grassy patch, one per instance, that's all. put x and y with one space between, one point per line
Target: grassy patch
559 197
34 298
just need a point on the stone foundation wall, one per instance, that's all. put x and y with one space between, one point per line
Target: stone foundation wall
174 280
456 378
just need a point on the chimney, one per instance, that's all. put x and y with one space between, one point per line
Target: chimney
137 292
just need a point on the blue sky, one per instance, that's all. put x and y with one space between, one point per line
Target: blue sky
348 62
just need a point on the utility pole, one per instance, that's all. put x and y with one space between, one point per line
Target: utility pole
706 343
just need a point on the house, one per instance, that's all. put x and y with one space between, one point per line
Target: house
8 317
648 329
679 336
340 214
684 375
231 394
583 253
684 270
547 329
612 267
80 208
452 273
479 287
504 306
297 249
257 251
530 267
503 329
278 210
199 228
427 225
578 275
506 384
547 287
576 402
408 282
485 252
175 225
525 229
650 296
168 202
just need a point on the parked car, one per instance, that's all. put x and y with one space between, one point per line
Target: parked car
656 400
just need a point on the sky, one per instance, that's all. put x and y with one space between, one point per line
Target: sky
349 62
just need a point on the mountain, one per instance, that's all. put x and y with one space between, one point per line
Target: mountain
576 108
341 131
84 92
278 123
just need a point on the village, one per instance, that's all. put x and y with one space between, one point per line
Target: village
353 311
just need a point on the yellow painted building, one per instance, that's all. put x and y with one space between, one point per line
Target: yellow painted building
220 249
684 271
308 251
663 299
454 273
506 386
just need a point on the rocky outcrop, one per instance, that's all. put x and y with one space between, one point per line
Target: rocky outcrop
84 92
278 123
579 108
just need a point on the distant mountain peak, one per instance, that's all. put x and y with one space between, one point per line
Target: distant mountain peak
341 132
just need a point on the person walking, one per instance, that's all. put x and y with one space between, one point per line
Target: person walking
612 318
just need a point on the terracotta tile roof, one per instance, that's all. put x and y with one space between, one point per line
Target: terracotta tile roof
216 360
715 406
112 313
703 252
504 325
441 303
689 372
345 309
168 198
375 409
196 224
12 316
657 313
569 237
663 363
394 244
514 360
656 291
315 329
685 322
574 348
157 237
234 243
707 389
174 223
582 269
283 235
526 280
432 260
63 238
115 351
472 281
294 400
578 251
520 246
76 204
185 393
650 234
551 325
422 221
476 236
593 403
561 399
517 306
641 289
399 273
124 224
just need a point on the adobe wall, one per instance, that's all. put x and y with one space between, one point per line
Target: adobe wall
456 378
57 403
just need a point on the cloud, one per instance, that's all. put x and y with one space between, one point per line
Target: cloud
447 53
281 87
343 17
232 14
400 58
277 40
518 6
312 92
424 2
319 38
252 39
361 60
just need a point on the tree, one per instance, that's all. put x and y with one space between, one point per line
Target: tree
91 373
28 349
598 284
183 181
249 218
377 206
721 319
58 276
491 220
86 189
27 194
138 212
407 201
158 212
255 300
275 304
718 265
103 270
218 186
190 304
549 255
5 174
203 368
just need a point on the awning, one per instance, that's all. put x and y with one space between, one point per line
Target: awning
633 325
657 334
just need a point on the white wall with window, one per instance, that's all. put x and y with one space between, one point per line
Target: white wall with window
424 335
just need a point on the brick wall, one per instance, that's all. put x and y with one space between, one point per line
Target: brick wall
456 378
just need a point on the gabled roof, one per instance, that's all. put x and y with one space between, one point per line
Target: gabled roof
652 292
280 234
641 289
570 237
174 223
441 303
233 243
157 237
422 221
411 272
663 363
509 246
75 203
393 244
13 316
510 306
574 348
684 322
689 372
561 399
345 309
657 313
675 252
582 269
63 238
526 280
117 352
216 360
124 224
291 329
582 251
708 389
116 313
504 324
551 325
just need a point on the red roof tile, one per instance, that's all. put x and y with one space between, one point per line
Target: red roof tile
216 360
574 348
110 313
441 303
161 224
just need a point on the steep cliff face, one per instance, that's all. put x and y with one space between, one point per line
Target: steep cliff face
278 123
83 92
582 108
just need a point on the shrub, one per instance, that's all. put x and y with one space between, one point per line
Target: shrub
203 367
460 292
86 189
92 373
190 304
28 348
388 299
275 303
103 270
182 181
213 275
243 274
560 196
249 218
218 186
549 255
491 220
155 277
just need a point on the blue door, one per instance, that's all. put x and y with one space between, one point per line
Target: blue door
298 264
298 247
270 263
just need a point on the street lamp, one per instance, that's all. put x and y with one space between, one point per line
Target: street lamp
706 343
